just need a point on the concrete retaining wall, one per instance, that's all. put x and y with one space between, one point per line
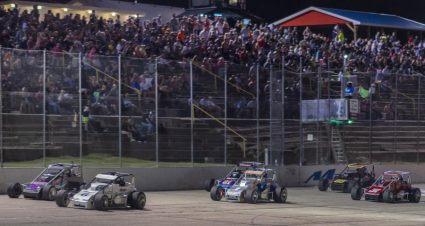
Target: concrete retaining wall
185 178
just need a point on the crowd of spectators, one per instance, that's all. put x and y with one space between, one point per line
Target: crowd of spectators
209 41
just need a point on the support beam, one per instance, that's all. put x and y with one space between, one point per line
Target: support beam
353 29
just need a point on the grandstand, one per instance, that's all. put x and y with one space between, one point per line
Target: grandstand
193 90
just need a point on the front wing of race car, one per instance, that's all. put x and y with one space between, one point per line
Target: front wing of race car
338 184
234 193
83 199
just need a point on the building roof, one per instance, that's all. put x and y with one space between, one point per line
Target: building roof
325 16
103 8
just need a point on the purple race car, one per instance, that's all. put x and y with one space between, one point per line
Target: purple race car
217 188
47 183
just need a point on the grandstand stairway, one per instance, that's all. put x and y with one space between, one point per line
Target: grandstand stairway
338 149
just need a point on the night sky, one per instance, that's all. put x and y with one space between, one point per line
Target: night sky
272 10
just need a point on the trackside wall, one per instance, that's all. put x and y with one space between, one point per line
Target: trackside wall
185 178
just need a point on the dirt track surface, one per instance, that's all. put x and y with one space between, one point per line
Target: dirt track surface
305 206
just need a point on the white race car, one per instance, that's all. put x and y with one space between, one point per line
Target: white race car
106 190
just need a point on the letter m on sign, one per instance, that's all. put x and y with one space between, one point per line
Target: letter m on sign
318 175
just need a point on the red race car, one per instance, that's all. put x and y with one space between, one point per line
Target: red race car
390 187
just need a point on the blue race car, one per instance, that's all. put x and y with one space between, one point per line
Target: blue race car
255 185
218 187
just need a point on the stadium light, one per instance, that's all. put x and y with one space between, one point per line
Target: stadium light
13 5
90 11
114 14
65 9
39 7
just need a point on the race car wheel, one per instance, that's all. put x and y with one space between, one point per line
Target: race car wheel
252 195
48 192
280 195
62 198
138 200
14 190
208 184
101 202
415 195
356 193
216 193
323 184
388 196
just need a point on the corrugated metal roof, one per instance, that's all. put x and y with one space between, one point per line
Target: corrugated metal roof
378 20
362 18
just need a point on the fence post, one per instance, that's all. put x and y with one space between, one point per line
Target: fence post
257 82
80 103
418 118
370 119
318 146
44 107
282 157
1 109
191 113
395 119
301 151
225 113
119 112
156 115
269 157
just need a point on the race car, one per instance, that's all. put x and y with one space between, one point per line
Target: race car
360 175
254 185
106 190
392 186
45 186
232 176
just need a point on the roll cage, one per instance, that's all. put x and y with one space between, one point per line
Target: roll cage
54 171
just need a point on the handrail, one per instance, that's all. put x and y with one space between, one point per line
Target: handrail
109 76
229 128
405 95
216 76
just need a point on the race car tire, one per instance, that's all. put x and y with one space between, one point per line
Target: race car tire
208 184
415 195
349 185
252 195
138 200
356 192
388 196
280 195
62 198
323 184
242 197
14 190
216 193
48 192
101 202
